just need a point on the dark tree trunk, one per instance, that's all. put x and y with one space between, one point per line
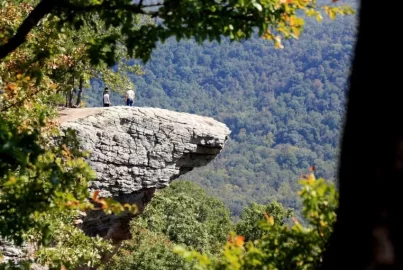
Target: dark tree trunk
80 91
71 94
369 230
70 98
67 99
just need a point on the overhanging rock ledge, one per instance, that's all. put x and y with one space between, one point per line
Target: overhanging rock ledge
135 151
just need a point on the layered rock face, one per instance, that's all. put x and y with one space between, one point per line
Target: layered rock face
9 252
135 151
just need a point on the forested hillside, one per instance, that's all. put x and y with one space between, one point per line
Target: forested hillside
284 107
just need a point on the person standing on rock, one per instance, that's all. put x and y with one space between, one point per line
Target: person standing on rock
106 101
129 97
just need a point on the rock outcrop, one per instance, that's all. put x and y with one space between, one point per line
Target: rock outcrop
10 252
135 151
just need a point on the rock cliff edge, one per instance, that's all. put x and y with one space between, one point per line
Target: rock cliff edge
135 151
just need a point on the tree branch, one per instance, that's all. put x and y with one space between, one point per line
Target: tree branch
138 9
40 11
20 101
45 7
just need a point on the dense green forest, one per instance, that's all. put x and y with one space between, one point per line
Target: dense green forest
284 107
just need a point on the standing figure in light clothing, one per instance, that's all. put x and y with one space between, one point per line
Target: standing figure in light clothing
129 97
106 101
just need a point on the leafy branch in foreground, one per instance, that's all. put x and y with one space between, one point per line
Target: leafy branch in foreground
37 177
280 246
202 20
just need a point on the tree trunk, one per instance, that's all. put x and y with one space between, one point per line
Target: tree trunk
71 94
70 98
80 91
67 99
368 233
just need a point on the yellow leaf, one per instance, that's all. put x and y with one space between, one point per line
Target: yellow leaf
311 178
268 35
293 20
284 31
332 14
310 12
300 21
269 219
298 3
296 31
19 76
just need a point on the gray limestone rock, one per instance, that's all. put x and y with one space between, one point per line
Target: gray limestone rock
9 252
15 255
135 151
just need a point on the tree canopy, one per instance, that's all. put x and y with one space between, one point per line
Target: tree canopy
180 214
202 20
